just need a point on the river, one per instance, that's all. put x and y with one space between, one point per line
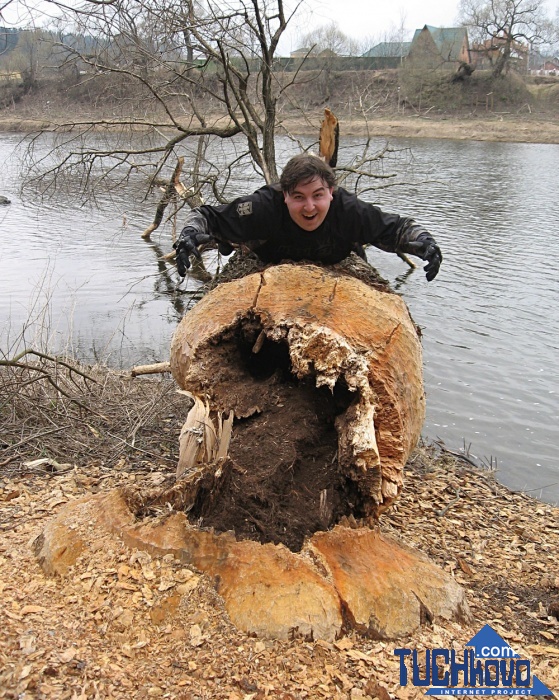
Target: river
80 278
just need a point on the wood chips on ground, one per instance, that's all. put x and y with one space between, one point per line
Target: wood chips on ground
125 625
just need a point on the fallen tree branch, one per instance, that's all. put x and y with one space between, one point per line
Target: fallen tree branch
15 362
33 437
157 368
169 192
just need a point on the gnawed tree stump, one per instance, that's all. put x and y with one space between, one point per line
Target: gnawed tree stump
323 374
306 398
344 579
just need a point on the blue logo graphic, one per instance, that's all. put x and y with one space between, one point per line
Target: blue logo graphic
487 666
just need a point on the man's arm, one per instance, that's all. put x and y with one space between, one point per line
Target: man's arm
393 233
240 221
194 234
414 239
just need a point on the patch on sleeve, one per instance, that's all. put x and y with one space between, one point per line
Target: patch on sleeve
244 208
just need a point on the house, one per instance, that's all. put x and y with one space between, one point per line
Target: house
543 65
439 48
327 53
314 52
389 49
303 52
551 67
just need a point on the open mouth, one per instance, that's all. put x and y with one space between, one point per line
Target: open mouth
310 217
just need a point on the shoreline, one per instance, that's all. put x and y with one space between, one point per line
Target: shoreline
460 129
495 127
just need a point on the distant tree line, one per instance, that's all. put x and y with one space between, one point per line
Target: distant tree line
8 39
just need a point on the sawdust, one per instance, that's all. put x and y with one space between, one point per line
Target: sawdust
124 625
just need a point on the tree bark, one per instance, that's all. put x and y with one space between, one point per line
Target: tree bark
301 325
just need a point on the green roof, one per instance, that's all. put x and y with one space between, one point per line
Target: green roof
448 40
389 49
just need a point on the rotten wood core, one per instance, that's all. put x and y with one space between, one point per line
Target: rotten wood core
281 479
322 374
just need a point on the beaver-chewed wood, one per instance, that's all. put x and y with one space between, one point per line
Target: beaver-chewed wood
324 377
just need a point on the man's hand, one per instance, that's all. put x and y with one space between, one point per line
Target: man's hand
187 245
427 249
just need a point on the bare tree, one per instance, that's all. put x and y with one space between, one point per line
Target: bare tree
177 72
3 6
396 35
181 90
328 37
503 27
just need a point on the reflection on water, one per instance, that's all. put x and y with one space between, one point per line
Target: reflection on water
490 320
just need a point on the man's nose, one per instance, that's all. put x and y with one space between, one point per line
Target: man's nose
309 204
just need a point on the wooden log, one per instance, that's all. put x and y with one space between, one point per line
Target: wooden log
319 369
329 138
157 368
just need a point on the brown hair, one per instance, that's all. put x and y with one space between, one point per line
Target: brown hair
303 168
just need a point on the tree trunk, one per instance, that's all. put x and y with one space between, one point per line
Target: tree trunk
320 376
323 374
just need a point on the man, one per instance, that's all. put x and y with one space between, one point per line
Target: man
306 217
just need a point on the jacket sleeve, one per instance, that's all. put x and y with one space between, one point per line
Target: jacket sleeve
243 220
389 232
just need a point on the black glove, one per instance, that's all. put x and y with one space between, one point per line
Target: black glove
187 245
426 248
224 247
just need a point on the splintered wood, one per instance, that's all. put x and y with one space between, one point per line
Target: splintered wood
329 138
200 440
316 326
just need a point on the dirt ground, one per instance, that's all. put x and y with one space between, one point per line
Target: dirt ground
492 128
125 625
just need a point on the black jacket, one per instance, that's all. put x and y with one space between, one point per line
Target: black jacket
262 222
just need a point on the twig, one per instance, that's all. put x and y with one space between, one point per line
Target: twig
50 380
7 461
14 362
442 512
458 455
169 192
32 437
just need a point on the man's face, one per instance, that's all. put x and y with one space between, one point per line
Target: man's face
308 204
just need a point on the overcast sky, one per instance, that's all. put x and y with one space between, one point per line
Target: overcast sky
376 18
358 19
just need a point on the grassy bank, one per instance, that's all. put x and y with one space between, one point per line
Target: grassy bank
379 103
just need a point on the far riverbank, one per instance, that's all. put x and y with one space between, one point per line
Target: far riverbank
491 127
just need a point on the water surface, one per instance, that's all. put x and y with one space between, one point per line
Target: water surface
83 279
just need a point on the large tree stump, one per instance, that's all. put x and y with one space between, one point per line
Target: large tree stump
323 374
307 399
